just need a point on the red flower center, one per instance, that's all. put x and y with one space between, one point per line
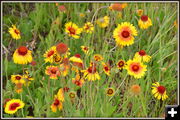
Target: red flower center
72 31
106 68
121 64
22 50
85 48
66 89
77 55
53 71
110 91
161 89
77 82
142 53
135 68
144 18
56 102
16 31
18 77
125 34
13 106
92 70
50 53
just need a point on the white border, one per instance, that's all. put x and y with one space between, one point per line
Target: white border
83 2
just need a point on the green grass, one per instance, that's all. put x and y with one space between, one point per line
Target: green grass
35 21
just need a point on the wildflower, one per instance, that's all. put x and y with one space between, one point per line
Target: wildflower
60 94
78 81
72 94
28 78
57 104
61 48
76 59
91 74
66 89
88 27
22 55
139 12
98 57
52 71
106 68
142 56
64 69
144 22
62 8
136 68
121 64
81 15
103 22
49 55
135 89
17 79
33 63
117 6
57 58
159 91
124 34
15 33
110 91
72 30
18 88
13 105
85 49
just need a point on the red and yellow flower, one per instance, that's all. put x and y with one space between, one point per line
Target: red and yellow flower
17 79
57 104
76 59
142 56
27 78
124 34
136 68
121 64
63 68
98 57
110 91
91 74
22 55
72 30
52 71
50 54
88 27
106 68
15 33
103 22
78 80
117 6
13 105
159 91
85 49
60 94
139 12
144 22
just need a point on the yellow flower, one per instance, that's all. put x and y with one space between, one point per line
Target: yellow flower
144 22
76 58
13 105
60 95
15 33
124 34
49 54
106 68
110 91
57 104
22 55
103 22
139 12
91 74
136 68
28 78
52 71
85 49
159 91
72 30
98 57
88 27
17 79
64 69
142 56
121 64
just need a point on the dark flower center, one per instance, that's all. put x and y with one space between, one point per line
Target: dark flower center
77 55
161 89
110 91
50 53
92 70
56 102
77 82
13 106
125 34
121 64
18 77
22 50
144 18
106 68
72 95
16 31
142 53
53 71
135 68
72 31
